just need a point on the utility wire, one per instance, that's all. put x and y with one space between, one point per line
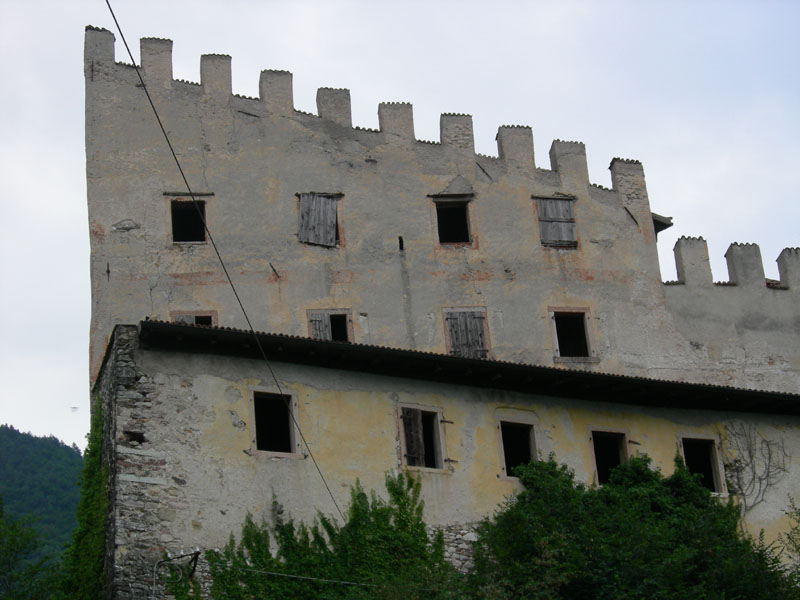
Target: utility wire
221 262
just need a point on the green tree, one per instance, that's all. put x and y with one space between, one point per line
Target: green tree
23 574
381 551
83 560
639 536
38 478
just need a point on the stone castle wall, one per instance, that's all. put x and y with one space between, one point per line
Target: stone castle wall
249 159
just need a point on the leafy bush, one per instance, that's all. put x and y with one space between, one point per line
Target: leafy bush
382 551
83 575
639 536
24 573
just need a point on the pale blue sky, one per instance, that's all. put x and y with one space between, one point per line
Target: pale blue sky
705 94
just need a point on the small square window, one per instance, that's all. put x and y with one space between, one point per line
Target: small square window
330 324
452 220
195 318
609 452
557 222
518 445
422 445
571 334
273 423
467 333
319 220
188 221
700 457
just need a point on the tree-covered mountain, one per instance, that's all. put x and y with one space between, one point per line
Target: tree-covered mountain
38 478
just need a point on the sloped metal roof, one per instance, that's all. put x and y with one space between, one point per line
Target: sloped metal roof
484 373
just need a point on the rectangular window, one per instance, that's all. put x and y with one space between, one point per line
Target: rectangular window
700 457
571 334
332 324
557 222
319 221
422 438
452 220
195 318
609 451
518 445
467 333
274 426
188 220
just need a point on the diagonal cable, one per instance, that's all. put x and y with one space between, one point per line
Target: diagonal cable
221 262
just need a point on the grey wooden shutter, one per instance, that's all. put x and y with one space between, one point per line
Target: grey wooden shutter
188 319
458 333
305 231
326 231
476 344
557 221
412 430
318 220
321 327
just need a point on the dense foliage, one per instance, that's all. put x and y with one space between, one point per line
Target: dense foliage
38 479
24 573
381 551
83 561
639 536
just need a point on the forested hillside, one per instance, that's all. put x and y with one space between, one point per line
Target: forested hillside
38 477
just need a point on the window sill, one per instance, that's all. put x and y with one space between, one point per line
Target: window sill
182 244
316 245
441 471
505 477
270 454
576 359
457 244
561 246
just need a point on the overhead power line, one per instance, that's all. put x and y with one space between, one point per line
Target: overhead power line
222 262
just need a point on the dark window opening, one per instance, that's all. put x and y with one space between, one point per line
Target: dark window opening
421 432
192 319
187 221
517 438
453 222
400 242
699 458
467 334
135 437
319 222
557 222
339 328
273 422
331 326
609 452
571 334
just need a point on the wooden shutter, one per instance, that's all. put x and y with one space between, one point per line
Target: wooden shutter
305 233
557 221
466 332
476 344
412 430
188 319
457 331
321 327
318 220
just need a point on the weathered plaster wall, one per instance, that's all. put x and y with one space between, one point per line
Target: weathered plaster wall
194 476
254 155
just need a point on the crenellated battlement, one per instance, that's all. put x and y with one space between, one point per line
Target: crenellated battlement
745 266
411 228
515 147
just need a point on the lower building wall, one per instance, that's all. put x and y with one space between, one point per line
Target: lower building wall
186 470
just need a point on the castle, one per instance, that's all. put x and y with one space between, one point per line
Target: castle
423 307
